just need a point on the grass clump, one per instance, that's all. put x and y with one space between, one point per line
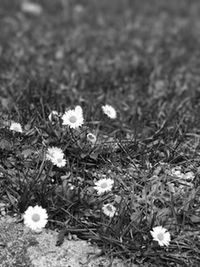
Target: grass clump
140 189
111 177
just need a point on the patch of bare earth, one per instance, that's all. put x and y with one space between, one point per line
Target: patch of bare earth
20 247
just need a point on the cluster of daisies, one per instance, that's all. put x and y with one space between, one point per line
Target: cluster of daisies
36 217
72 118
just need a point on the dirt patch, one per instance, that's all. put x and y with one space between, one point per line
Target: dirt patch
20 247
13 244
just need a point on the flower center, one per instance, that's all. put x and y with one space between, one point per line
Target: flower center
91 137
35 217
160 236
109 208
73 119
104 185
59 160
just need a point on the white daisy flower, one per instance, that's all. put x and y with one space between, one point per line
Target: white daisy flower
35 218
177 172
161 235
59 162
16 127
56 156
103 185
31 8
109 111
73 117
109 210
189 176
91 138
53 115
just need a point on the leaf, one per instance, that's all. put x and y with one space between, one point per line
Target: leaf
118 199
12 199
136 217
27 152
5 145
195 218
61 237
5 103
84 155
94 155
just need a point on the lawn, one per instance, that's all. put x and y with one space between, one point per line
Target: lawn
140 57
